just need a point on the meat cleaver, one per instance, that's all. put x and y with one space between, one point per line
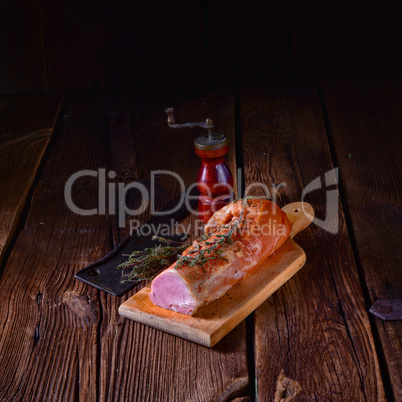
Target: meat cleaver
105 275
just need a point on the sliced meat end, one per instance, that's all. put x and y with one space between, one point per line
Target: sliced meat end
169 291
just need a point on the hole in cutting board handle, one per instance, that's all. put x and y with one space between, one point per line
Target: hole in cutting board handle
94 272
300 214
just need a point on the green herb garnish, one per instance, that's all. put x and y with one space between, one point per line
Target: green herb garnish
146 264
214 248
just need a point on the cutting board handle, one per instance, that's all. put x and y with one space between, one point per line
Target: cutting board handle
300 214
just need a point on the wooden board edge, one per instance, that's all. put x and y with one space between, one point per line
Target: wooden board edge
300 215
235 320
204 338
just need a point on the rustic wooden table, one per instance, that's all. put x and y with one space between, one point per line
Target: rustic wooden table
63 340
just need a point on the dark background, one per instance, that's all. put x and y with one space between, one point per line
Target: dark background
68 46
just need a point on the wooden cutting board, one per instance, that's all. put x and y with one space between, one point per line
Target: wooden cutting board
213 321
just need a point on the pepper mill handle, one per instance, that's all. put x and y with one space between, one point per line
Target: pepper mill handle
208 124
170 116
214 180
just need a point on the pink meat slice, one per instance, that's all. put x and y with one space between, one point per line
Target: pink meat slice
264 229
171 292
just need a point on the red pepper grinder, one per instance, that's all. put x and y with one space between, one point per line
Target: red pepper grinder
214 179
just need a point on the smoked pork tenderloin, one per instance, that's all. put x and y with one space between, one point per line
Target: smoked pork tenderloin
237 239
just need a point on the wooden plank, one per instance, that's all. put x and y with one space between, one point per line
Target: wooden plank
62 339
315 329
49 320
21 153
216 319
247 45
139 362
365 122
24 114
22 48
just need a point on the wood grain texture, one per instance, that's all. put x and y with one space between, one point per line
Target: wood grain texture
21 153
142 363
49 320
22 48
315 328
216 319
66 340
25 114
365 121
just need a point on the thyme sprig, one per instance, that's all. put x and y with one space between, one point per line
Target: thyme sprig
147 263
213 249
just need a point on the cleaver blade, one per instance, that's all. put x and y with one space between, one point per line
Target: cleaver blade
104 275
